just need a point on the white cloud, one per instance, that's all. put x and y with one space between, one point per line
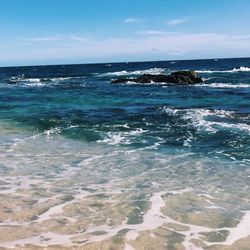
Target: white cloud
41 39
177 21
165 46
132 20
79 38
152 32
57 38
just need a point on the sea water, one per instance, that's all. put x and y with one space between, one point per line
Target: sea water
87 164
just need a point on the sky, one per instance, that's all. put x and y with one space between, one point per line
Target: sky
38 32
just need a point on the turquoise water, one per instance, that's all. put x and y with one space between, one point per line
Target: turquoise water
67 135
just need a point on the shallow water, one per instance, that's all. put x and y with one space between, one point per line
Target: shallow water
86 164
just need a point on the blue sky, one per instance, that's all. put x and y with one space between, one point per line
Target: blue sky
84 31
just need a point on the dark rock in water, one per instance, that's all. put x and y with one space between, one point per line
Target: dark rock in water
178 77
123 80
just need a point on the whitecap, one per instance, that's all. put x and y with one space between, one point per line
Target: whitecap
224 85
35 84
234 70
241 69
197 118
53 79
53 131
152 71
113 139
147 83
118 73
125 138
36 80
31 82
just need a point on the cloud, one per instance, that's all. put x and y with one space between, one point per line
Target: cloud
177 21
57 38
41 39
155 47
79 38
152 32
132 20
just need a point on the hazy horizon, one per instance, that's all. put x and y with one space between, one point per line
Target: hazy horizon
147 61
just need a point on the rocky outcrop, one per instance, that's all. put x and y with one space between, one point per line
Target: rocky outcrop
178 77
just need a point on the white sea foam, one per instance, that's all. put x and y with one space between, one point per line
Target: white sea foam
52 131
113 139
242 230
152 71
241 69
197 118
154 218
51 239
224 85
199 115
58 208
116 138
38 82
35 84
33 80
56 79
147 83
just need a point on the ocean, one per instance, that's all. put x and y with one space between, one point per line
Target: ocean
87 164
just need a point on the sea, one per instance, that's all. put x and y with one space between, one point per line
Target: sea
88 164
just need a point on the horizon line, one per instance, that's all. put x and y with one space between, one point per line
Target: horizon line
117 62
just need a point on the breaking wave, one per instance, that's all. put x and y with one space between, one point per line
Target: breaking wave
116 138
152 71
224 85
39 82
199 118
235 70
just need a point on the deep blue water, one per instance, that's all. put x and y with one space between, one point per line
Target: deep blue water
79 102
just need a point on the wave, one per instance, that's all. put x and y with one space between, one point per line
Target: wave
224 85
152 71
36 80
199 118
147 83
235 70
53 79
40 82
117 138
211 85
156 71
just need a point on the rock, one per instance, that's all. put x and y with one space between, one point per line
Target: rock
123 80
178 77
